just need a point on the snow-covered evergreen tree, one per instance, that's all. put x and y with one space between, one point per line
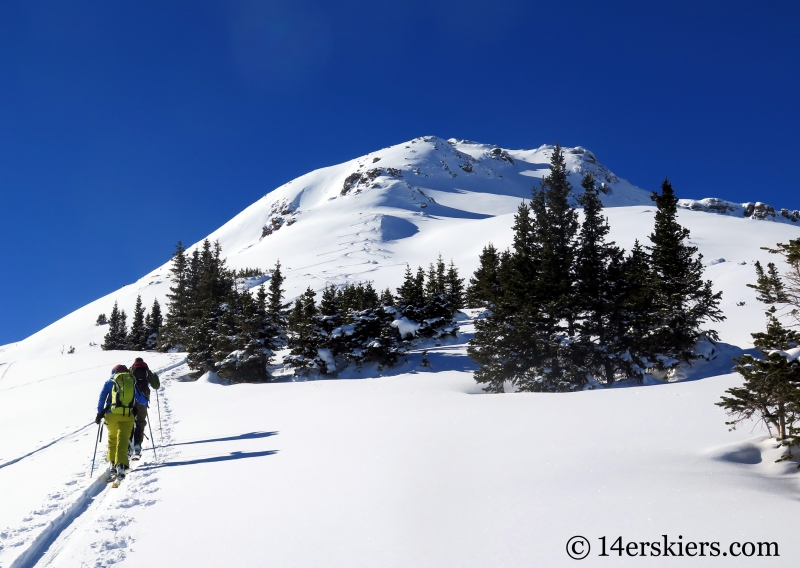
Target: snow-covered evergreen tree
771 388
306 337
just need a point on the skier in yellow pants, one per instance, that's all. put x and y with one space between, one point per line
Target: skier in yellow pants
117 404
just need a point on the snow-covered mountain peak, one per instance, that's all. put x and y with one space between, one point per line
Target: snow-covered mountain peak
364 219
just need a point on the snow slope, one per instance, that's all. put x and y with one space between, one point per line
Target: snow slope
417 469
366 218
413 468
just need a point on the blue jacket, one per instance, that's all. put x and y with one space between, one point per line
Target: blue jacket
104 404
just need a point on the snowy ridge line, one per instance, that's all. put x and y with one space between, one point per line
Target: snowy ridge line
64 437
48 536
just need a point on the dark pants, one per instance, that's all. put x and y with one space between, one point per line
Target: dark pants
141 424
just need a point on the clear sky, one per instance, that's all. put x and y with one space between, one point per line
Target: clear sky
127 126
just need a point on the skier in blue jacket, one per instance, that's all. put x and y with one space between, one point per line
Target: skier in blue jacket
118 404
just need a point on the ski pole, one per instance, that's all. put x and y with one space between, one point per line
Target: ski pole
152 440
96 441
160 429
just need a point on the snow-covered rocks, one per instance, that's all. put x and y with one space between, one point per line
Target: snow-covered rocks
758 211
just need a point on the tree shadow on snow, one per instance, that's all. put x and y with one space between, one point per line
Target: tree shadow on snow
248 436
229 457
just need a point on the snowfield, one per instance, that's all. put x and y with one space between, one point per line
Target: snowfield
414 466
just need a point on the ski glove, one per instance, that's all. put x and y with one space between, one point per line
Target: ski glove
99 417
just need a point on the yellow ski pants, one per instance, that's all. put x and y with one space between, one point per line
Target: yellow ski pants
119 435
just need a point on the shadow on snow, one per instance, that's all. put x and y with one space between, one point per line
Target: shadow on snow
248 436
229 457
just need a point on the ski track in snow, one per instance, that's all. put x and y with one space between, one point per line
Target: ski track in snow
3 376
37 450
96 518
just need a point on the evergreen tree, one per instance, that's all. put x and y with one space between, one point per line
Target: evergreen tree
101 320
598 290
177 318
771 388
412 292
117 336
683 301
559 226
276 316
153 324
633 316
305 337
789 298
386 298
137 338
507 345
454 287
209 304
525 337
769 285
484 286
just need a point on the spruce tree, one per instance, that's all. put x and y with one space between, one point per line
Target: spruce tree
769 285
559 227
597 288
789 299
634 312
117 336
683 301
454 287
155 322
507 345
386 298
484 287
177 317
771 388
412 291
524 337
305 337
137 339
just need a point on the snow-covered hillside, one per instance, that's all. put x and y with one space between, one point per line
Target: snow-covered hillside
417 468
366 218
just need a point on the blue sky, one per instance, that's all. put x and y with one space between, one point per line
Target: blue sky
125 127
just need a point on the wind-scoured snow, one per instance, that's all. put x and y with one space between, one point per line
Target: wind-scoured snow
410 466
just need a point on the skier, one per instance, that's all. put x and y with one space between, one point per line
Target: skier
117 404
145 378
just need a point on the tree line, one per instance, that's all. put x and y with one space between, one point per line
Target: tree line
566 306
563 306
144 331
227 329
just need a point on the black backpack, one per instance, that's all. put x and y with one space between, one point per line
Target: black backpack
142 376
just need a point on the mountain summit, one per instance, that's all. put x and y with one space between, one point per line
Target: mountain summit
365 219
